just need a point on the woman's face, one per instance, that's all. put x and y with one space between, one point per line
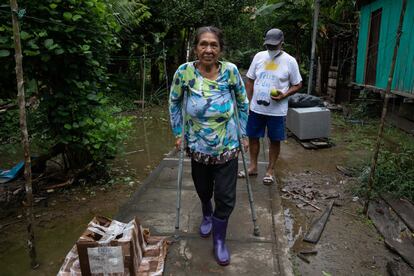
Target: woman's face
208 49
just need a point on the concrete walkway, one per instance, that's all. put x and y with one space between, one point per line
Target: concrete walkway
155 206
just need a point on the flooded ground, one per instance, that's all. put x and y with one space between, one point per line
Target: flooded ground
349 245
64 216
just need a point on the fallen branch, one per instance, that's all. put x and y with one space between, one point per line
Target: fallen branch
10 223
64 184
348 213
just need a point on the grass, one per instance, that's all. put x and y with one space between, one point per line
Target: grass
395 168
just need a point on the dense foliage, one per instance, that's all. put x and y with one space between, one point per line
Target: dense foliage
66 47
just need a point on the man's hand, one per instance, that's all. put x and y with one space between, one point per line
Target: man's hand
279 97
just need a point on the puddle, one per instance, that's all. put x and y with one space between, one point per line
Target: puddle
58 225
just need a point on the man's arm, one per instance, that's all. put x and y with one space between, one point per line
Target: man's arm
249 88
292 90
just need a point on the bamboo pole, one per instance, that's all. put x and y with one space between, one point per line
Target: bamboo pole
384 110
25 136
314 33
143 78
165 66
187 55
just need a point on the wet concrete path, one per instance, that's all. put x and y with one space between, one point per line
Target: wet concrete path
155 205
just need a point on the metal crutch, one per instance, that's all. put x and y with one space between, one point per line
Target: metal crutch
256 231
180 163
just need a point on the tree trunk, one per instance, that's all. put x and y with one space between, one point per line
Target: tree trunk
25 136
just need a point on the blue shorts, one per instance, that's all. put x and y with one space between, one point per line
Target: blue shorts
257 124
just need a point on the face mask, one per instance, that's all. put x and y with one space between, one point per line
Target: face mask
273 53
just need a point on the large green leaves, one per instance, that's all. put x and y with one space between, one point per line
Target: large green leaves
67 45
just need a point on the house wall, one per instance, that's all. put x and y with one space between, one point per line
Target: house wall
404 71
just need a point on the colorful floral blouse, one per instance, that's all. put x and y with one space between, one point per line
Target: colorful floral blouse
210 130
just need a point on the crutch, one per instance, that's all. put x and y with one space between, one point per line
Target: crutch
180 163
256 231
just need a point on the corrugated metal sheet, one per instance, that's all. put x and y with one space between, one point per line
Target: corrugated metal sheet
404 71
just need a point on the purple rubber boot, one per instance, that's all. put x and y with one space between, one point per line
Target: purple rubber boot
219 238
206 223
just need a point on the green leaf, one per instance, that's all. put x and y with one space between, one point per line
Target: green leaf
42 34
33 45
59 51
45 58
67 15
31 53
76 17
24 35
92 97
4 53
94 62
53 6
70 29
48 43
67 126
326 273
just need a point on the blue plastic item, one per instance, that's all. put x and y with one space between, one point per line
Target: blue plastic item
8 175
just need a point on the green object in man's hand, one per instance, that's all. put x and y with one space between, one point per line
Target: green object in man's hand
274 92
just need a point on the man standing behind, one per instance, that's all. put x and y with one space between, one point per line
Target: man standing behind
272 77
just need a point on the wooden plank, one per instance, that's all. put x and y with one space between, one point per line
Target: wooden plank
318 225
387 223
396 235
381 90
404 209
403 247
395 268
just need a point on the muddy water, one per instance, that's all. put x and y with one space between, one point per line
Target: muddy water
64 216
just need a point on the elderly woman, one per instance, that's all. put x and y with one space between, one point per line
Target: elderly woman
211 131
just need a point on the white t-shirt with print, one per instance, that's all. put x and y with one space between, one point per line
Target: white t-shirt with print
281 72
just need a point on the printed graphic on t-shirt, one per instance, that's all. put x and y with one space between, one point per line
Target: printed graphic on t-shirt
265 81
271 65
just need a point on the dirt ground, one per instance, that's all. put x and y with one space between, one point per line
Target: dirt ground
350 244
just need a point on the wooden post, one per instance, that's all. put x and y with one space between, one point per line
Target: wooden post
314 33
165 67
143 79
384 110
28 205
187 56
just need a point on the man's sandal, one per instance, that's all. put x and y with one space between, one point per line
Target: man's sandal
268 180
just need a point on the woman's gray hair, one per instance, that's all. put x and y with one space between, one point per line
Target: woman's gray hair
209 29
